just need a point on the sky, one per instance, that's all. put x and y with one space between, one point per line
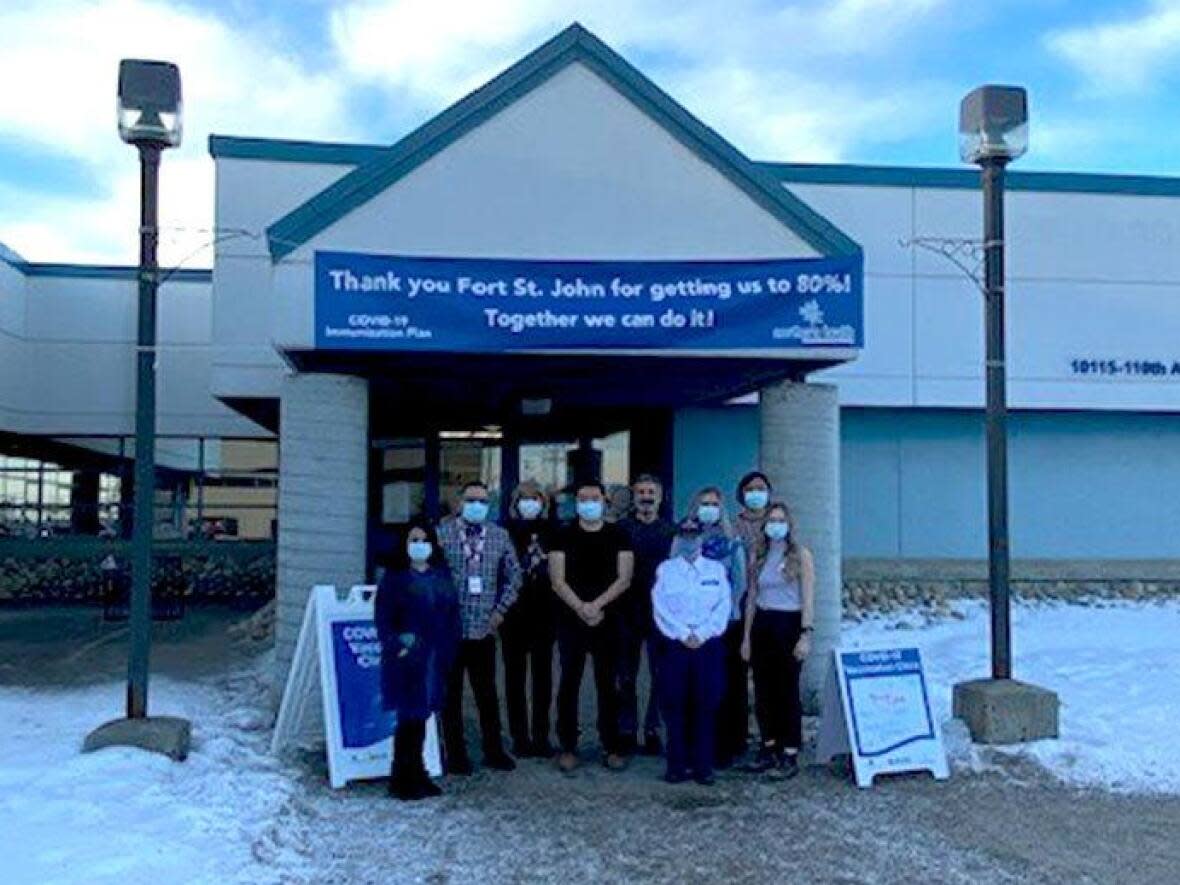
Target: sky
856 81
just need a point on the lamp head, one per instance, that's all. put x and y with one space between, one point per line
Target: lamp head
149 102
993 124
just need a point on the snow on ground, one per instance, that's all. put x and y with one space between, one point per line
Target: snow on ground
127 816
1115 667
231 813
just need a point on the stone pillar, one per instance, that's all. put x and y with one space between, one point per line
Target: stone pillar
800 452
323 479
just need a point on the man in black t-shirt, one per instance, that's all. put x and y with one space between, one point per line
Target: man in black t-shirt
590 564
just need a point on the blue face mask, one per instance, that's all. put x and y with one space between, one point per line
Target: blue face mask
529 508
756 499
475 511
687 546
777 531
419 550
709 514
591 511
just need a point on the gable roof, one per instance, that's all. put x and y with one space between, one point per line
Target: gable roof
574 44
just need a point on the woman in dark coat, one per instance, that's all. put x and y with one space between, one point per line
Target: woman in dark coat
417 619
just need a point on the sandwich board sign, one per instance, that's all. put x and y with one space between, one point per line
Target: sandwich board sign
876 708
338 658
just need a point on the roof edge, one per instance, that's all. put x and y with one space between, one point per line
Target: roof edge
111 272
333 153
574 44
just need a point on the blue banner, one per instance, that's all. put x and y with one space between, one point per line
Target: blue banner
357 652
389 303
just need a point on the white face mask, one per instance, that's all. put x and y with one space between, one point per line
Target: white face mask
709 514
777 530
591 511
529 508
756 499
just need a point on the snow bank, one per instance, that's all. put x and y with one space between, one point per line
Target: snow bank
127 816
1116 668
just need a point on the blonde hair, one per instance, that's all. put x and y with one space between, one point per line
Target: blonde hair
528 489
724 522
793 561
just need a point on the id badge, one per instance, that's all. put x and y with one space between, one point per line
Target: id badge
474 585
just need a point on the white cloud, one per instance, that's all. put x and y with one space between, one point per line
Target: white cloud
63 55
1123 57
747 67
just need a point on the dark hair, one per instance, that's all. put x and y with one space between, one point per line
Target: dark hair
400 560
749 478
474 484
590 484
647 477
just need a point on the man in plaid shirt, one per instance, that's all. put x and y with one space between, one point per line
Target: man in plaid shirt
487 579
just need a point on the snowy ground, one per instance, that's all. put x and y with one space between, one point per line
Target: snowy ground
1116 670
231 813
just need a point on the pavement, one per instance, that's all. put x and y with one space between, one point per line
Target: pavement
1011 822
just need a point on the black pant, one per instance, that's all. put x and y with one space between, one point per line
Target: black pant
409 738
733 718
575 640
776 678
526 642
632 638
690 691
476 657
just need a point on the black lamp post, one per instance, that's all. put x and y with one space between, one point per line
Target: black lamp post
149 118
993 131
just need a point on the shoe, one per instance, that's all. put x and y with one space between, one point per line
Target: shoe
705 780
460 766
652 745
628 744
499 761
567 762
615 762
428 788
721 763
787 767
675 777
543 750
764 761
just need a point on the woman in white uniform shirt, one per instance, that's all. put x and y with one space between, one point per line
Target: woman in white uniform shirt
691 602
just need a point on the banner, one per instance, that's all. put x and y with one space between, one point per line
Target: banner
390 303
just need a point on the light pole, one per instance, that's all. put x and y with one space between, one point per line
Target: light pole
993 131
149 116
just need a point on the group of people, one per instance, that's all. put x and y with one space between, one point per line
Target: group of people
705 600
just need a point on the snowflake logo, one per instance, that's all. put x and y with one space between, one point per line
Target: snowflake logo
812 313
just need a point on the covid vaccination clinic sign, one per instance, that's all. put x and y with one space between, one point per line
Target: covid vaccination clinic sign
392 303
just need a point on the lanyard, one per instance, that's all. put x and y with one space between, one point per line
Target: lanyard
473 554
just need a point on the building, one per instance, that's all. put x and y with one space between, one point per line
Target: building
572 155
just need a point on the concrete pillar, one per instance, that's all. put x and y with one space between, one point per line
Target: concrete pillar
323 478
800 452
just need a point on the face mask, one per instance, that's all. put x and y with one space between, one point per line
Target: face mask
687 546
709 514
530 508
419 550
756 499
475 511
777 531
591 511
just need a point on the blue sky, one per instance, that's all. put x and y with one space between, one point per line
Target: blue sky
862 81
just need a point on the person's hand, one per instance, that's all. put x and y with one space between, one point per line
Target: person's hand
592 613
803 647
692 641
745 651
495 621
407 641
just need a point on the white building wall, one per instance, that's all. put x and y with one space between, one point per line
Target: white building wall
1091 276
12 347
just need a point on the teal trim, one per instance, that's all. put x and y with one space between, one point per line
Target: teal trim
574 44
282 151
9 256
968 179
112 272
